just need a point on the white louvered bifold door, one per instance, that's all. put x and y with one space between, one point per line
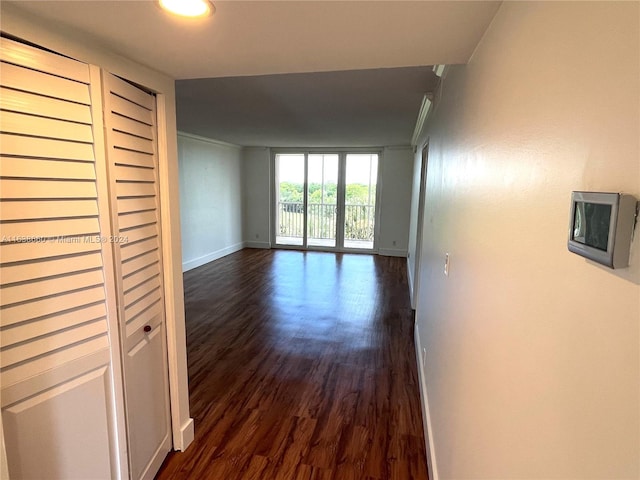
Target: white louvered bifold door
130 120
55 361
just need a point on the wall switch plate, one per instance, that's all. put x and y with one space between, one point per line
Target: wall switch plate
446 264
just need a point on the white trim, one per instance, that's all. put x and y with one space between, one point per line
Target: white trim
379 193
420 226
187 432
273 198
171 261
301 150
423 113
210 257
410 279
439 70
341 201
208 140
432 465
398 147
4 464
266 245
392 252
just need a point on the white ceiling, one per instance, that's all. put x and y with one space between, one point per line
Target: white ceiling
263 38
348 108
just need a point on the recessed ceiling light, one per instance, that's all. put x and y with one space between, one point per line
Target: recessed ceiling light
188 8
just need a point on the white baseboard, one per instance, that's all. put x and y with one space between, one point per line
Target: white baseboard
210 257
187 433
432 465
392 252
257 245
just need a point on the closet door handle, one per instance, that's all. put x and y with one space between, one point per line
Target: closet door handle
147 328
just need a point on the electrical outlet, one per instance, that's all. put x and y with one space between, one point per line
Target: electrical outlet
394 243
257 236
446 264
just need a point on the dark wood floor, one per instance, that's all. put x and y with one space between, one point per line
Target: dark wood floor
301 366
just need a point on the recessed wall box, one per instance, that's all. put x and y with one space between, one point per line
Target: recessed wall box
601 227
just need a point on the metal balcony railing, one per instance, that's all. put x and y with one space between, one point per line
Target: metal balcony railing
321 221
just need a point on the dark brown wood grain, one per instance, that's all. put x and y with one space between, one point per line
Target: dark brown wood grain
301 367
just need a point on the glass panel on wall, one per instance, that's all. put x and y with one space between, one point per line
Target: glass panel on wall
360 200
290 199
322 205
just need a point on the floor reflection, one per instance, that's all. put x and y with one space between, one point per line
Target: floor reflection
324 297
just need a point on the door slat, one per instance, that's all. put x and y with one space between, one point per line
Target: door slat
130 110
49 287
11 122
26 188
133 127
28 331
44 84
15 167
130 220
45 148
42 209
130 250
136 263
41 308
135 174
50 268
21 252
38 59
32 104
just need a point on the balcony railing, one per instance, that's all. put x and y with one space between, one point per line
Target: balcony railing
321 221
359 222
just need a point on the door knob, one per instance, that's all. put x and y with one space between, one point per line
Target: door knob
147 328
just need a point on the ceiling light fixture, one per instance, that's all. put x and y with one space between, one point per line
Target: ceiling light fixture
188 8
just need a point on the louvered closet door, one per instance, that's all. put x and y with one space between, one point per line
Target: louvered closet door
55 368
130 117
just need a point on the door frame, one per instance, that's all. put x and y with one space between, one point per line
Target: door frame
424 162
341 192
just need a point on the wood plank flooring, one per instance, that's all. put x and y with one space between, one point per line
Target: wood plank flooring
301 366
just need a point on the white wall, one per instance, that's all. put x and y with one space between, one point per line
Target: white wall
256 173
396 170
210 199
532 352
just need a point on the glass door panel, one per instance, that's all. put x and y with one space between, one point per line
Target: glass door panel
326 200
322 205
290 221
361 174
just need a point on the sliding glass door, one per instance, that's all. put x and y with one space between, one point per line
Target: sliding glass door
325 200
322 203
290 204
361 179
